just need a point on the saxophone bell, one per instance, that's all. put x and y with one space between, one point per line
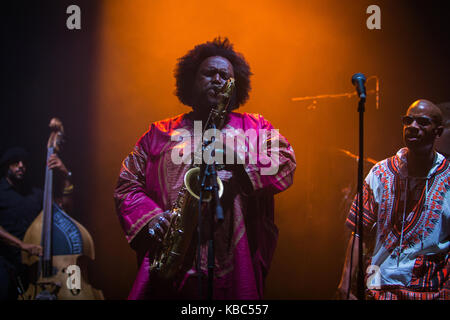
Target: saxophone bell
193 185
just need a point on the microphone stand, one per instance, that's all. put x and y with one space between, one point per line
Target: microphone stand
219 215
208 176
360 276
361 110
208 173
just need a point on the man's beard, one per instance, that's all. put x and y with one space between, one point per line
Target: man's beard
15 179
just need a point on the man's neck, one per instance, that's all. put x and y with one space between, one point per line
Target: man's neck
419 164
17 184
199 114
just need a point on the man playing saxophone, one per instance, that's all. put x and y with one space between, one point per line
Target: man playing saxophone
150 180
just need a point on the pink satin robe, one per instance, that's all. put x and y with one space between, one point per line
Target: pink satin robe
244 242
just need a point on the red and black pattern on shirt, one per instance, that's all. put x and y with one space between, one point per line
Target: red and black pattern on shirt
369 210
423 212
431 272
415 199
403 293
430 281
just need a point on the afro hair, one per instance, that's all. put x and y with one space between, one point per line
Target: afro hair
187 66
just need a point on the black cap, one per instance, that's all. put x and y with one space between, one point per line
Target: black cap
12 155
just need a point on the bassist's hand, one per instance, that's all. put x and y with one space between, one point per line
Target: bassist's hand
33 249
54 162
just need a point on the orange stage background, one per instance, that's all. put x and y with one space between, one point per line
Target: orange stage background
294 48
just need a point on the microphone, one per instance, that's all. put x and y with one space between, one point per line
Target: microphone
358 81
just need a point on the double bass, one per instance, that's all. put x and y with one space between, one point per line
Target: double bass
61 272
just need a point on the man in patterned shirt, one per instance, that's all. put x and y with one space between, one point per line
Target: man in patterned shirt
406 217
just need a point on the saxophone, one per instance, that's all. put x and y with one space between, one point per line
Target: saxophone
170 255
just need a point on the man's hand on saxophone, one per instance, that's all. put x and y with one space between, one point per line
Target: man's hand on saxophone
158 225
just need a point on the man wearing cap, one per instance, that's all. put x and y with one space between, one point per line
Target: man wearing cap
19 206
